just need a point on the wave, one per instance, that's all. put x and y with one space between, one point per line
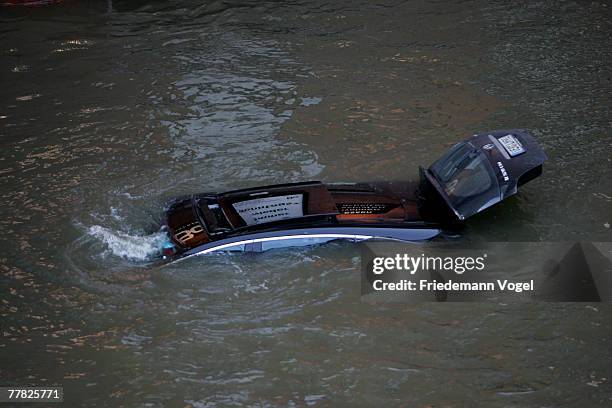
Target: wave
130 247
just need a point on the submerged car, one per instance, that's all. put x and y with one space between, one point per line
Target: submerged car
473 175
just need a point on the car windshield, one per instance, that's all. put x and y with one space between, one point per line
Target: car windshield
467 178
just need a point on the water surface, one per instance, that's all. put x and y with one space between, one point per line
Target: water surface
110 108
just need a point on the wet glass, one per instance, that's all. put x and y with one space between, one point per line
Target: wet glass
467 179
293 242
233 248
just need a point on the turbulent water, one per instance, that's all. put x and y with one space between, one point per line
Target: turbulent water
108 109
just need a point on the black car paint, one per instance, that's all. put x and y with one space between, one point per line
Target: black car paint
434 204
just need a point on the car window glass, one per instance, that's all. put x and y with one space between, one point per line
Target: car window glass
293 242
470 180
467 179
233 248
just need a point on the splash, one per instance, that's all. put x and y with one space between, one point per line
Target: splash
131 247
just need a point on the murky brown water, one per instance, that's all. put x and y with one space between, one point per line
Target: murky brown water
108 109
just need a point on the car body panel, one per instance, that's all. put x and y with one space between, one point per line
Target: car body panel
472 176
344 233
505 172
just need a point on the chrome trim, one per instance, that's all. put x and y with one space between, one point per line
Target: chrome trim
267 239
421 234
284 237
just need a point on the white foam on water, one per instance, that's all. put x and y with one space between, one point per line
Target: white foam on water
132 247
115 214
